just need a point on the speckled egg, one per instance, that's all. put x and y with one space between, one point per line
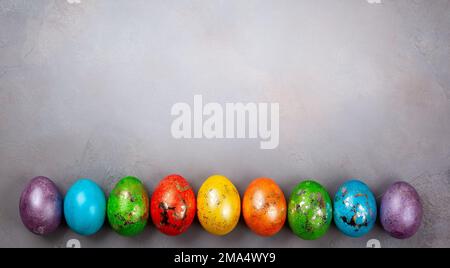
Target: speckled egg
401 211
128 207
41 206
84 207
218 205
264 207
309 210
173 205
355 208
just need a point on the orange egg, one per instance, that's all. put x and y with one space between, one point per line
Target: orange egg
264 207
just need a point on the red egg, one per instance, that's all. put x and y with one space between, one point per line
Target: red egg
173 205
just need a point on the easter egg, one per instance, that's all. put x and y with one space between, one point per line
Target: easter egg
264 207
401 211
84 207
355 208
40 206
218 205
173 205
128 207
309 210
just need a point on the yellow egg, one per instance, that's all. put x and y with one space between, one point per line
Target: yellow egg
218 205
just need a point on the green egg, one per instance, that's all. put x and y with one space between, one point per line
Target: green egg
309 210
128 207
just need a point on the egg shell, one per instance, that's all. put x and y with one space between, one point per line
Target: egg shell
309 210
173 205
218 205
84 207
128 207
41 206
355 208
264 207
401 210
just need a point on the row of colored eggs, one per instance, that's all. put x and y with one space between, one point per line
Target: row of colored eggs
173 206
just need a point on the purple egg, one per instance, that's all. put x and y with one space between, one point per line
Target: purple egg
41 206
401 210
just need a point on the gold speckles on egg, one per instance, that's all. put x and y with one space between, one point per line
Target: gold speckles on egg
218 205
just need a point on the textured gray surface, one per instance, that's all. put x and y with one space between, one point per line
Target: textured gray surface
364 91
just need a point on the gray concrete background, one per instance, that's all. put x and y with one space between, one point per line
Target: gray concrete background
364 90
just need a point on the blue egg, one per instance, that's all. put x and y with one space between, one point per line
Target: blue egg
355 208
84 207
